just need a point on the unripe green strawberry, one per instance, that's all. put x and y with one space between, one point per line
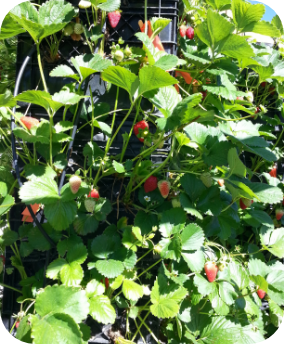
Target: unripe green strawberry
221 266
84 4
245 203
127 51
75 183
206 179
250 97
90 204
176 203
157 249
69 29
119 56
78 28
164 187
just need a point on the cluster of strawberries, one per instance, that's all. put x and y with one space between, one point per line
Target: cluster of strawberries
186 31
211 269
152 184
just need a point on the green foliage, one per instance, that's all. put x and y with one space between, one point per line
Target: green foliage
123 238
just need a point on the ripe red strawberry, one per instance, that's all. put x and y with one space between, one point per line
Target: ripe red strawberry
29 122
263 84
273 171
204 94
182 30
221 182
261 293
151 184
75 183
3 258
258 110
17 324
143 125
211 270
245 203
114 18
190 33
94 194
279 213
106 282
164 187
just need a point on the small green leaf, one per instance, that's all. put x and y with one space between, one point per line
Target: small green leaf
118 167
109 5
204 287
131 290
6 203
71 275
110 268
120 77
152 77
94 288
102 310
8 237
236 165
54 268
192 237
260 282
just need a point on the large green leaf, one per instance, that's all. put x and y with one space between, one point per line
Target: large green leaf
121 77
166 99
38 241
54 268
263 28
192 237
8 237
42 191
64 71
195 260
172 221
219 4
218 27
276 243
245 13
10 28
68 300
52 17
102 310
57 327
152 77
192 186
109 5
60 214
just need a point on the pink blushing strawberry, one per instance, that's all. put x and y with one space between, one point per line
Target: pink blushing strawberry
211 270
151 184
75 183
182 30
164 187
114 18
245 203
279 213
29 122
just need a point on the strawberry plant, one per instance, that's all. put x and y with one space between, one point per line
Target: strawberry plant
193 238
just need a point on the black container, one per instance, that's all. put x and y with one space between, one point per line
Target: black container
133 11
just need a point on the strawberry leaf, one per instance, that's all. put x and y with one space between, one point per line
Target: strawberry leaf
102 310
131 290
110 268
55 299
